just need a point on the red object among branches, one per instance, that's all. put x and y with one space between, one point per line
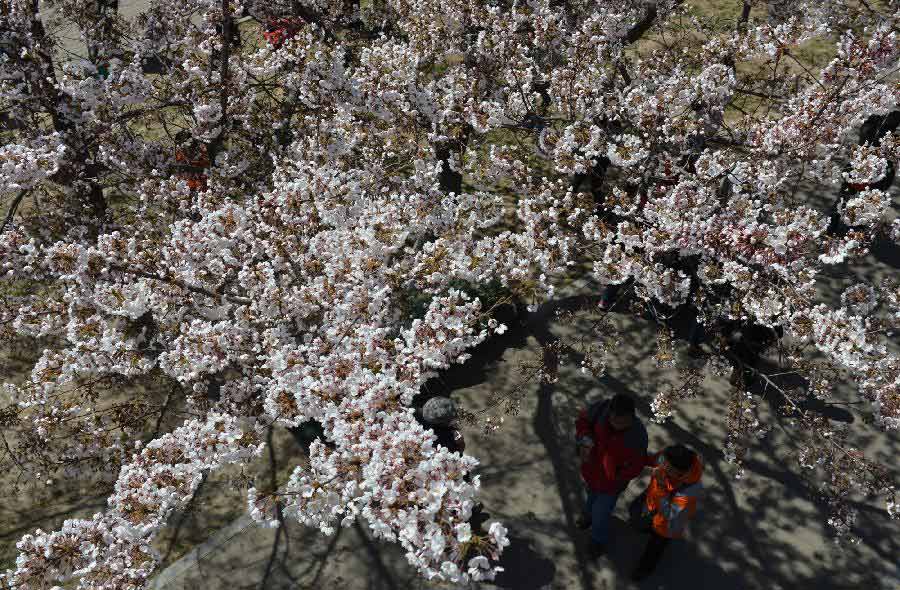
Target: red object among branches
196 180
280 30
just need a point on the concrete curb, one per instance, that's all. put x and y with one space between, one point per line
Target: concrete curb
169 576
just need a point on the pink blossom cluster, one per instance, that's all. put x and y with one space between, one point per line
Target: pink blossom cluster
113 550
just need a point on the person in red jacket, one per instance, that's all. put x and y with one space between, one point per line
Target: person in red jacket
613 447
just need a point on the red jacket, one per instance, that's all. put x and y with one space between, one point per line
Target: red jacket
617 457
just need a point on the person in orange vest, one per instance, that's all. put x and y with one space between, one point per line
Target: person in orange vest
669 502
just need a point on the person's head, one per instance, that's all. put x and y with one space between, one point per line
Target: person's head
679 460
621 412
439 411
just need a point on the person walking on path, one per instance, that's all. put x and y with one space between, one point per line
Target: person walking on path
613 448
439 414
669 502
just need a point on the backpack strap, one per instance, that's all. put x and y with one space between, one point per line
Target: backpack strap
595 411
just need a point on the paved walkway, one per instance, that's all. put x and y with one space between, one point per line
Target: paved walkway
761 533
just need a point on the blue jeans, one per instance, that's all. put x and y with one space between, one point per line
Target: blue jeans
599 507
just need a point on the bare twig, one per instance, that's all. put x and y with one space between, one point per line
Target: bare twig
178 283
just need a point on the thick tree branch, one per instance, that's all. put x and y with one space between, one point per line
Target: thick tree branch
179 283
644 25
12 209
227 33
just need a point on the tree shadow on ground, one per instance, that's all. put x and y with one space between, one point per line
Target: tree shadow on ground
680 567
568 481
737 546
886 252
752 545
747 538
27 521
524 568
483 358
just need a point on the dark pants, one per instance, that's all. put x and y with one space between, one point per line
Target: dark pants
652 552
609 294
599 508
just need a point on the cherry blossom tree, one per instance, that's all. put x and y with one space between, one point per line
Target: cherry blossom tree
243 199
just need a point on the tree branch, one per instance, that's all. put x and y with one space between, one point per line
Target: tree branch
227 32
643 25
179 283
12 209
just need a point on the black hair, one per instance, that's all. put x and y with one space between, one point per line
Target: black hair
679 456
621 405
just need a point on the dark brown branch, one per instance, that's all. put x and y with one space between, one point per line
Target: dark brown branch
227 31
273 480
178 283
284 133
758 94
643 25
163 410
12 209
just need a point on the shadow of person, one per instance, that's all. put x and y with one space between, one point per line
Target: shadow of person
886 252
524 568
681 567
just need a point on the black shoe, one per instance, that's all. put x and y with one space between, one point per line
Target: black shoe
597 550
583 523
640 574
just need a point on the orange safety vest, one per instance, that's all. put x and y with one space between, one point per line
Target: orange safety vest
673 502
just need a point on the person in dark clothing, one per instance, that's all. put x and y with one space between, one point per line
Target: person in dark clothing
871 132
439 414
608 296
613 447
745 343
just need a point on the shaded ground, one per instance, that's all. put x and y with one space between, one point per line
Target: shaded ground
763 532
